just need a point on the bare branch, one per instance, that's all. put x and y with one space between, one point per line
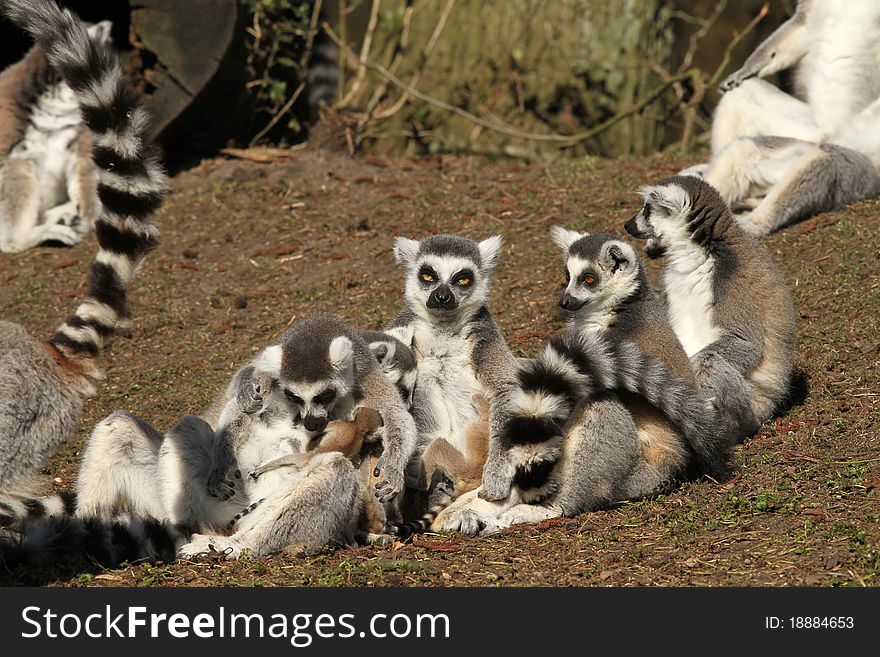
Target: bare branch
716 76
497 127
365 53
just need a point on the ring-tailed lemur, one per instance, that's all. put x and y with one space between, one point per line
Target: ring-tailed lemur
777 159
775 181
618 353
833 48
48 181
43 384
322 370
460 351
130 468
728 302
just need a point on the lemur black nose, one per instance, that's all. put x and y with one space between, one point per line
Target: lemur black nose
442 297
632 227
314 422
568 302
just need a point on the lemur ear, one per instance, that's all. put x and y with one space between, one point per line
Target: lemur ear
402 333
100 32
405 250
490 251
619 256
670 199
564 237
269 360
383 351
341 353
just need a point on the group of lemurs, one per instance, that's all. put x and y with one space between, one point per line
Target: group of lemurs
337 433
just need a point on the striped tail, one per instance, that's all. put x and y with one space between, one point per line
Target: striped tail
442 495
16 509
132 184
65 539
574 367
45 531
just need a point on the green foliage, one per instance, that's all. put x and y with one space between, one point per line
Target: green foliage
276 63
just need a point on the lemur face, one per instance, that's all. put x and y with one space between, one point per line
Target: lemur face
318 387
600 272
664 216
447 275
313 402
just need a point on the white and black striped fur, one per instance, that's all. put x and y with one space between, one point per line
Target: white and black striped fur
48 181
43 383
459 349
728 302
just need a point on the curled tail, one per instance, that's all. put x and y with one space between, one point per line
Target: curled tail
574 367
132 184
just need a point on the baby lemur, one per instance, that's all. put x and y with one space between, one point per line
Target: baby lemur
43 383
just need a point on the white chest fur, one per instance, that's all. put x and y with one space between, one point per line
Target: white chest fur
53 127
690 297
445 385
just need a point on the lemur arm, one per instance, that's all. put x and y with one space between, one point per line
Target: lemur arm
739 347
249 390
781 50
496 371
399 435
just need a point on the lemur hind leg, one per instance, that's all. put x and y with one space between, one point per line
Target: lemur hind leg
118 472
601 464
322 506
183 469
722 385
820 179
747 168
20 210
757 108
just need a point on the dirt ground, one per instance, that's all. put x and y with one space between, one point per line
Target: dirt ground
249 247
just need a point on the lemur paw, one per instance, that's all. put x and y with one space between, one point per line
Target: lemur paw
468 522
223 484
379 540
391 483
253 393
61 233
733 80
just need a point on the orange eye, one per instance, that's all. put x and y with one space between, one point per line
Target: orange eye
427 278
589 280
464 281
